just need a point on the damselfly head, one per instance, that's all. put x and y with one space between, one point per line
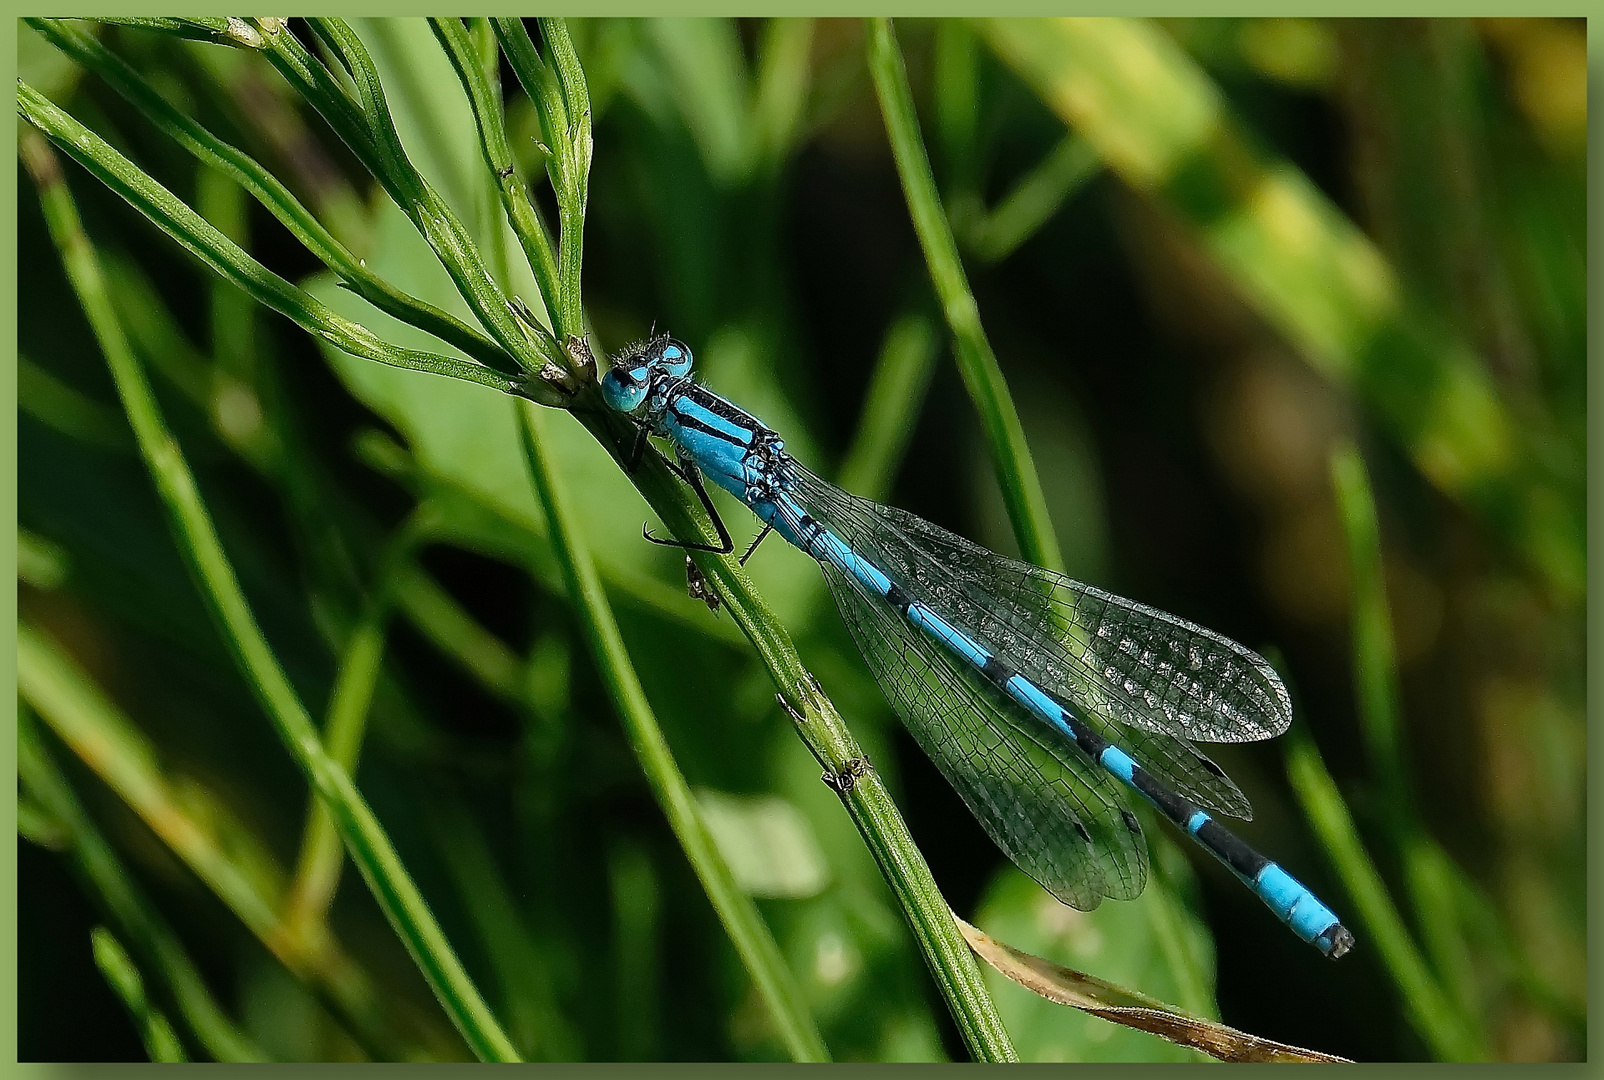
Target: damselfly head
627 385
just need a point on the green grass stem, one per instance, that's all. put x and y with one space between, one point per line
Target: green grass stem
1034 200
370 847
215 29
753 942
110 881
521 968
1016 471
268 190
891 407
1374 658
511 188
445 232
224 257
1428 1009
946 953
1428 873
317 870
161 1041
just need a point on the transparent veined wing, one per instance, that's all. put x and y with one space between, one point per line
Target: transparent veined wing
1145 679
1053 813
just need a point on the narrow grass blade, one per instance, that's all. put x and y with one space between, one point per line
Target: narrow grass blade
1374 667
55 404
1016 471
891 407
1428 1010
956 92
756 946
112 884
317 870
224 257
522 971
273 195
510 187
780 99
1426 865
1034 200
1163 125
40 563
453 244
370 847
216 29
572 151
704 60
636 967
439 617
161 1041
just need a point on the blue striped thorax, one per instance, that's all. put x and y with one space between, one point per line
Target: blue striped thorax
651 383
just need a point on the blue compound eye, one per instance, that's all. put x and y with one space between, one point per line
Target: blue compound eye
624 390
675 359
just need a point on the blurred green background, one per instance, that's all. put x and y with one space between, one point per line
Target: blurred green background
1210 255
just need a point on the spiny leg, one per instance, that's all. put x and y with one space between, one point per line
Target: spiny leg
637 451
688 472
768 527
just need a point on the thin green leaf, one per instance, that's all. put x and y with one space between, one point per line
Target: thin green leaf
52 402
317 871
40 563
370 847
1016 471
1380 720
758 951
216 29
443 621
706 66
452 243
522 971
521 213
784 75
1374 666
161 1041
1428 1010
223 256
573 151
541 85
273 195
637 964
1034 200
891 407
150 935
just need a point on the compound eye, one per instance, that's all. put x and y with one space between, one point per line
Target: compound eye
675 358
624 391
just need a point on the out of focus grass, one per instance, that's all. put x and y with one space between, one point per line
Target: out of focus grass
1290 314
